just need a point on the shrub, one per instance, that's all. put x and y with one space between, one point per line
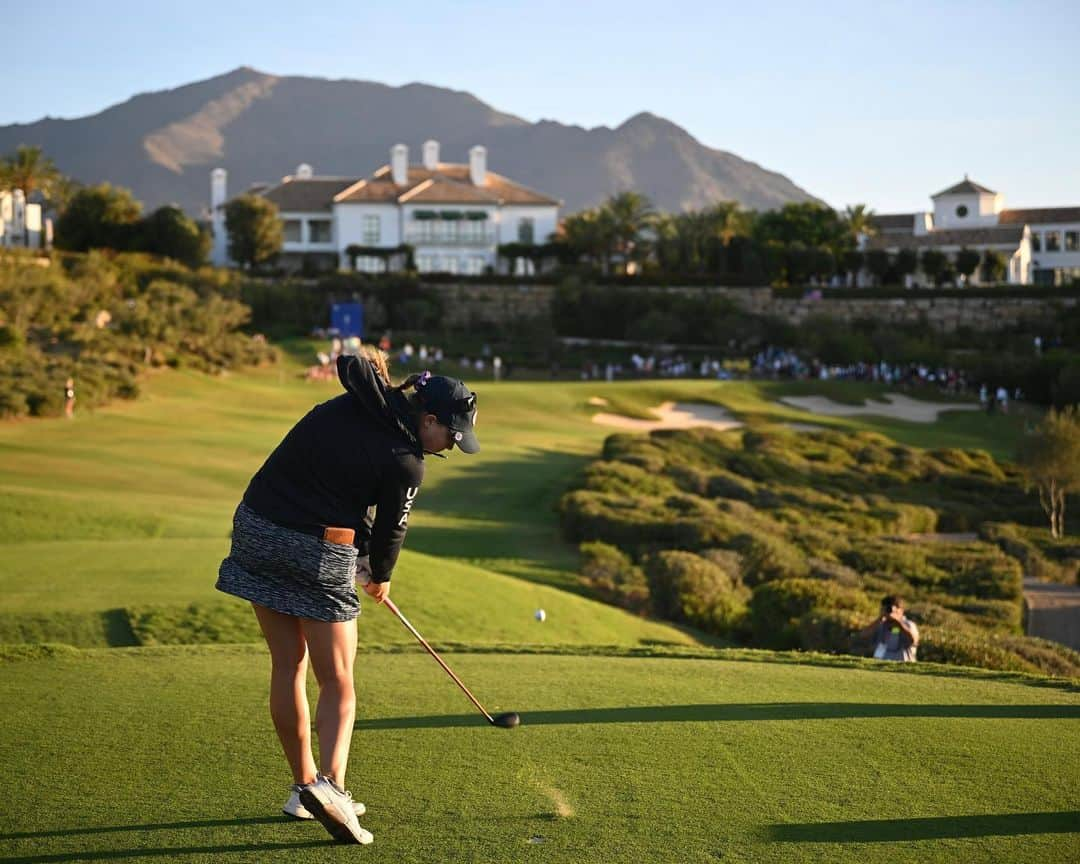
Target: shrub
701 592
621 478
976 570
776 607
614 576
997 651
833 571
100 320
828 630
726 484
769 557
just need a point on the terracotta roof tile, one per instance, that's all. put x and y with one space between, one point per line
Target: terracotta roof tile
1040 215
306 196
451 179
443 190
1005 236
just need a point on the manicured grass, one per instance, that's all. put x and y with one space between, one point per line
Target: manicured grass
156 753
130 506
111 529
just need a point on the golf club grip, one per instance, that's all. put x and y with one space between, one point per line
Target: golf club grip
393 608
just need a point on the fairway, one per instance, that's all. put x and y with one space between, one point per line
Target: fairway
144 734
167 753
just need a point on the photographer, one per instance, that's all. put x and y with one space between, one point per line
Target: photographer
893 636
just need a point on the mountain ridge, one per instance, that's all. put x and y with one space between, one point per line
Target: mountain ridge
163 144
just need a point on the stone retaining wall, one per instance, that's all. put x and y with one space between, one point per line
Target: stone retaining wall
470 304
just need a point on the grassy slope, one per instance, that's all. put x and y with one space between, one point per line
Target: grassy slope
645 759
147 489
619 759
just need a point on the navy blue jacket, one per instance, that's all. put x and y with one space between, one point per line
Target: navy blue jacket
356 451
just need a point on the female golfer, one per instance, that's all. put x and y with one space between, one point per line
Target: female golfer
302 537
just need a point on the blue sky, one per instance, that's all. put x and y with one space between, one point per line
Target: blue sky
879 102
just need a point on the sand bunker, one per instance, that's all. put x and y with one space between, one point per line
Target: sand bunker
897 407
671 415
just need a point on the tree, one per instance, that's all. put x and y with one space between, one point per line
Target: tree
851 262
905 263
860 221
30 170
933 263
993 266
811 224
99 217
169 232
1050 458
628 214
255 230
966 262
590 233
878 263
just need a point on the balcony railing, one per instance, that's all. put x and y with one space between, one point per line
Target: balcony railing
436 233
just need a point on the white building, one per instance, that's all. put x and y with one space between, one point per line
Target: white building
21 224
453 215
1040 246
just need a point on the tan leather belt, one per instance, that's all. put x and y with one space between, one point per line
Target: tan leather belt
344 536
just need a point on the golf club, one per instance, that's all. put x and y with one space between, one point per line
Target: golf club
506 721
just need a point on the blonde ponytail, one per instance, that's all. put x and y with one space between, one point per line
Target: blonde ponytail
378 360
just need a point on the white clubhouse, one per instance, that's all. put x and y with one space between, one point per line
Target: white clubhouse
1040 245
454 216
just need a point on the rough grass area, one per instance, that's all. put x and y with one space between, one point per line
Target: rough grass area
820 524
618 759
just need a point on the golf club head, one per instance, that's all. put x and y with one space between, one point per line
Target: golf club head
507 721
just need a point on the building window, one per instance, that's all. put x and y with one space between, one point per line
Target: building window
369 264
474 265
319 231
292 230
1053 241
449 264
371 229
425 263
526 230
1072 241
962 211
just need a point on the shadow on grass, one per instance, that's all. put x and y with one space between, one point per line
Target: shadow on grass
739 712
117 628
507 510
934 828
152 826
163 852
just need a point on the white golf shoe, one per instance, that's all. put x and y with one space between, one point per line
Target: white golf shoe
335 810
293 807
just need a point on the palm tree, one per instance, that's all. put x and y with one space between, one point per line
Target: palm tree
665 228
860 220
30 170
627 214
589 234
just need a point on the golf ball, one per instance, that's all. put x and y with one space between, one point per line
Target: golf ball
540 615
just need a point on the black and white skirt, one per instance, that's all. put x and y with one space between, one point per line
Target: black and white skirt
289 571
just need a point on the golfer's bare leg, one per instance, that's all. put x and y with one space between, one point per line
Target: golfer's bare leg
332 648
288 693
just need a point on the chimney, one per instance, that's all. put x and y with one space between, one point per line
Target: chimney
478 165
219 251
303 171
431 155
399 164
217 188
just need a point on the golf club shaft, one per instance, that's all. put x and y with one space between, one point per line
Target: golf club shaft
390 605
